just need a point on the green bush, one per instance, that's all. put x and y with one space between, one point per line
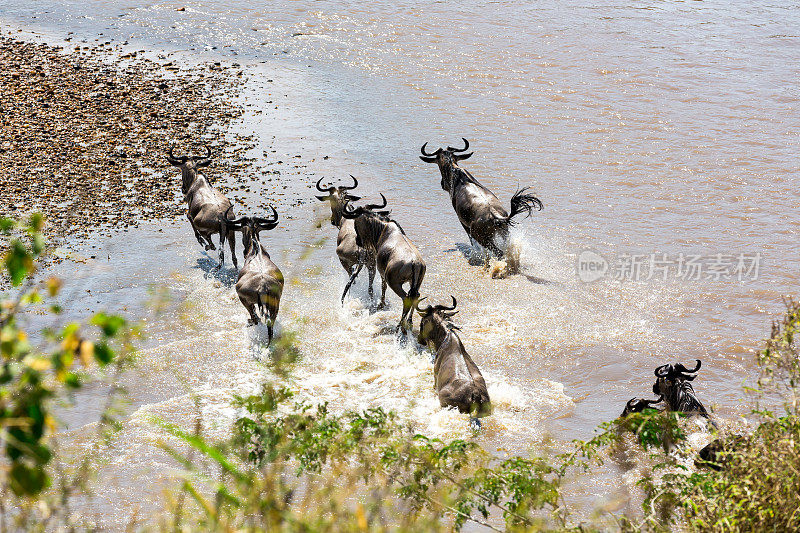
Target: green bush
34 492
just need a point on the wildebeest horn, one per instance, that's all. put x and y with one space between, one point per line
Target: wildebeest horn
262 220
426 153
351 212
445 308
235 223
176 158
663 371
680 368
376 206
355 184
651 402
208 150
425 311
466 146
320 189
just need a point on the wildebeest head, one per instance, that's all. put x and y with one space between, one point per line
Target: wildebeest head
435 321
189 165
446 159
338 198
637 405
250 227
367 220
673 384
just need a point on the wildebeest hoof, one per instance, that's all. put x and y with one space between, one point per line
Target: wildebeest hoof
210 246
251 322
475 423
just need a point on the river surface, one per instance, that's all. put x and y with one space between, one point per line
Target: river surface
662 137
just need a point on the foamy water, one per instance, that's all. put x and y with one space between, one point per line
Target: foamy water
645 128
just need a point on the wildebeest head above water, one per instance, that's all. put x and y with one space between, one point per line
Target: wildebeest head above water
188 165
673 383
338 198
637 405
445 158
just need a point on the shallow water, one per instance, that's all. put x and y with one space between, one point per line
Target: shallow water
645 128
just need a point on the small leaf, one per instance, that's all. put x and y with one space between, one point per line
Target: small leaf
86 352
54 285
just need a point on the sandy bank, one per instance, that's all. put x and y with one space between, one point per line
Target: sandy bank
83 133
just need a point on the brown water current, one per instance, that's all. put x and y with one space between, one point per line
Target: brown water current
662 138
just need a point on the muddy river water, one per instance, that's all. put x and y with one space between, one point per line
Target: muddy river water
662 138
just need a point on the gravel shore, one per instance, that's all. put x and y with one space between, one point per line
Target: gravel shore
83 137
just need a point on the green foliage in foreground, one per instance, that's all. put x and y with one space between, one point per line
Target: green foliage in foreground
294 466
36 375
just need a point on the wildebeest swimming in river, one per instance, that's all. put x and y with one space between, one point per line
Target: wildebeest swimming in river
207 206
637 405
260 282
352 256
480 212
398 260
458 381
673 383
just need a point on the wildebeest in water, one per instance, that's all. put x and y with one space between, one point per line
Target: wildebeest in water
352 256
480 212
459 382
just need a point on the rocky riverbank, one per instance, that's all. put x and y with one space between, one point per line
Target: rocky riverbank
84 132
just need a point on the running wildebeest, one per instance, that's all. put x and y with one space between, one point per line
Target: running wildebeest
480 212
260 282
673 383
207 206
396 257
458 381
637 405
352 256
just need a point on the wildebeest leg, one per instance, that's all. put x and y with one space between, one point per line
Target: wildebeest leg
222 235
273 316
475 423
352 279
371 272
208 244
232 242
382 305
196 233
496 250
251 308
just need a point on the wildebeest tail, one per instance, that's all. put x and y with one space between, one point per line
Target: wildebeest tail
416 281
523 202
263 307
480 405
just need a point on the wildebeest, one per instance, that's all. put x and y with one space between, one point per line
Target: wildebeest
458 381
673 383
396 257
207 206
352 256
480 212
637 405
260 282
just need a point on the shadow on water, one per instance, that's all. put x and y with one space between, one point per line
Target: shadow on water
227 275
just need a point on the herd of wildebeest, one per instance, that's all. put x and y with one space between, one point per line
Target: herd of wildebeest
369 237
